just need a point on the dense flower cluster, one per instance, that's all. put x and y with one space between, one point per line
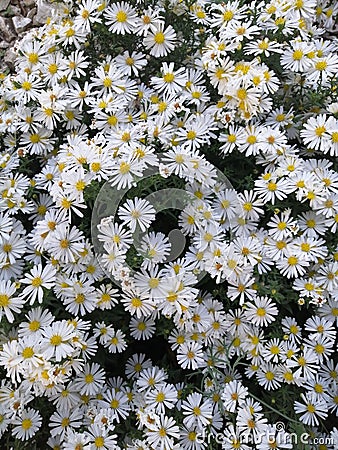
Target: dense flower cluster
246 317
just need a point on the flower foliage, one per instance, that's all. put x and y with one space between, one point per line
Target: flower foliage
127 348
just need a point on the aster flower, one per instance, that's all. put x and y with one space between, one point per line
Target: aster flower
27 424
162 435
91 380
9 303
160 41
120 17
196 411
137 212
38 278
56 340
312 409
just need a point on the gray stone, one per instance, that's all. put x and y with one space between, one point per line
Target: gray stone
29 3
4 4
6 32
14 10
21 23
3 44
43 12
31 13
10 58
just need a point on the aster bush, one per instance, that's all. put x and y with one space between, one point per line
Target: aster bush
168 218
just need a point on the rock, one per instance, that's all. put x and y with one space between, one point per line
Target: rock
4 4
31 13
10 58
3 44
5 31
14 10
21 23
29 3
43 12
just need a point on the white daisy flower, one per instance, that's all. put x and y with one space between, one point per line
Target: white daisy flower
27 424
190 355
38 278
56 340
120 18
196 411
91 379
312 409
137 212
261 312
162 435
9 303
160 41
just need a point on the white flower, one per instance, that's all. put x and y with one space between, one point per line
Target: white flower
61 422
137 212
172 81
121 17
37 279
27 424
160 41
8 302
196 411
190 355
313 408
162 434
233 395
91 379
261 312
161 397
131 63
56 340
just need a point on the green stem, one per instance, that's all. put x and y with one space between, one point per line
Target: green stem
273 409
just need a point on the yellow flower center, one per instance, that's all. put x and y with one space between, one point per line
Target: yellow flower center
169 77
26 424
311 408
191 135
4 300
321 65
114 403
33 58
64 243
320 131
124 168
227 15
35 138
56 340
121 16
197 411
65 422
136 302
261 312
153 283
159 37
269 375
160 397
27 352
37 281
334 137
99 441
297 55
89 378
